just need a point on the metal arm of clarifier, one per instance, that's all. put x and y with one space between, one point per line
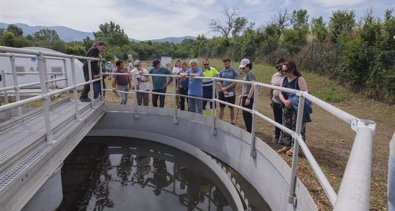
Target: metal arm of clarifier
354 192
175 120
47 99
90 81
75 93
253 136
214 110
15 80
299 121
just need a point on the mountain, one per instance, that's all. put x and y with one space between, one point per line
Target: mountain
176 40
65 33
68 34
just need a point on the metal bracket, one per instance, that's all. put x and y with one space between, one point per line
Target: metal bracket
253 153
175 121
293 200
358 123
46 96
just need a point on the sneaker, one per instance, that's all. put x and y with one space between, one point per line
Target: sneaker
85 100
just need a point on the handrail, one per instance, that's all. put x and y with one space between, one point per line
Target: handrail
354 192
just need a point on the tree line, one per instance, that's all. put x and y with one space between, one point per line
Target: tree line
358 53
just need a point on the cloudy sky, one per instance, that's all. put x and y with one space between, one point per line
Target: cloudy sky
151 19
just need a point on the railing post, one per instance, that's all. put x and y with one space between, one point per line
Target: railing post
253 136
66 75
47 99
354 192
75 94
299 121
175 95
214 110
16 85
3 75
90 81
101 81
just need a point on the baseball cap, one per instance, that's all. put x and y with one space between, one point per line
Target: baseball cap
244 63
137 62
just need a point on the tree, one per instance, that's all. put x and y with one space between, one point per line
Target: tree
112 34
87 42
282 19
46 35
15 30
231 15
319 29
299 19
341 24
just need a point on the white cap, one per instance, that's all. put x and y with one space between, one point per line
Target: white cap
137 62
244 63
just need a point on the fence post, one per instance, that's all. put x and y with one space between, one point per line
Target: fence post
75 94
253 136
47 99
4 85
299 121
214 110
16 85
101 81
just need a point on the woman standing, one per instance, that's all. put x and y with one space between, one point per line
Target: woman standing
247 93
292 80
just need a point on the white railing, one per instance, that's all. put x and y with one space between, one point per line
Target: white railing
354 192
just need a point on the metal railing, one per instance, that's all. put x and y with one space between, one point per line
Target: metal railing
354 192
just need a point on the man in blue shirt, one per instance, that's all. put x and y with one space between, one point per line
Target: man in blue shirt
195 87
159 83
227 89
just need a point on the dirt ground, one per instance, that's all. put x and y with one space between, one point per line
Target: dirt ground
330 141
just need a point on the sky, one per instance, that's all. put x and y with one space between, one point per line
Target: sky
154 19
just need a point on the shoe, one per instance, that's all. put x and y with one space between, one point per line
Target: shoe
290 152
283 150
85 100
232 123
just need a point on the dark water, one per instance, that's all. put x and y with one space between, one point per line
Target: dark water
131 174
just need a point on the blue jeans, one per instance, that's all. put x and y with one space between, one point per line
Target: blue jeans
391 183
278 117
161 98
123 96
96 89
195 105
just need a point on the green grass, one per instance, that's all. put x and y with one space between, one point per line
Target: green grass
319 86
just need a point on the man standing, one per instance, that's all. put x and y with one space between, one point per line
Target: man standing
227 89
159 83
94 52
275 102
121 82
195 87
209 72
141 83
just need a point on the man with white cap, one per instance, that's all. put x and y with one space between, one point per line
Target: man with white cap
140 82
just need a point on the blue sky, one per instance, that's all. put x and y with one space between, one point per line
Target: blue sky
153 19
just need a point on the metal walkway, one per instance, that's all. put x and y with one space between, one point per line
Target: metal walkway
27 159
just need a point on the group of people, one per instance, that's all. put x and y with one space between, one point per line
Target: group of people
192 88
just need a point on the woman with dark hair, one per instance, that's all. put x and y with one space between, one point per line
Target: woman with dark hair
292 80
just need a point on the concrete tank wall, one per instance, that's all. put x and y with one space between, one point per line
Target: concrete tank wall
268 172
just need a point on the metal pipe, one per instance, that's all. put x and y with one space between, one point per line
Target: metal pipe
253 136
15 80
214 110
20 103
66 76
4 85
354 192
299 121
90 81
75 94
101 81
175 120
47 99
